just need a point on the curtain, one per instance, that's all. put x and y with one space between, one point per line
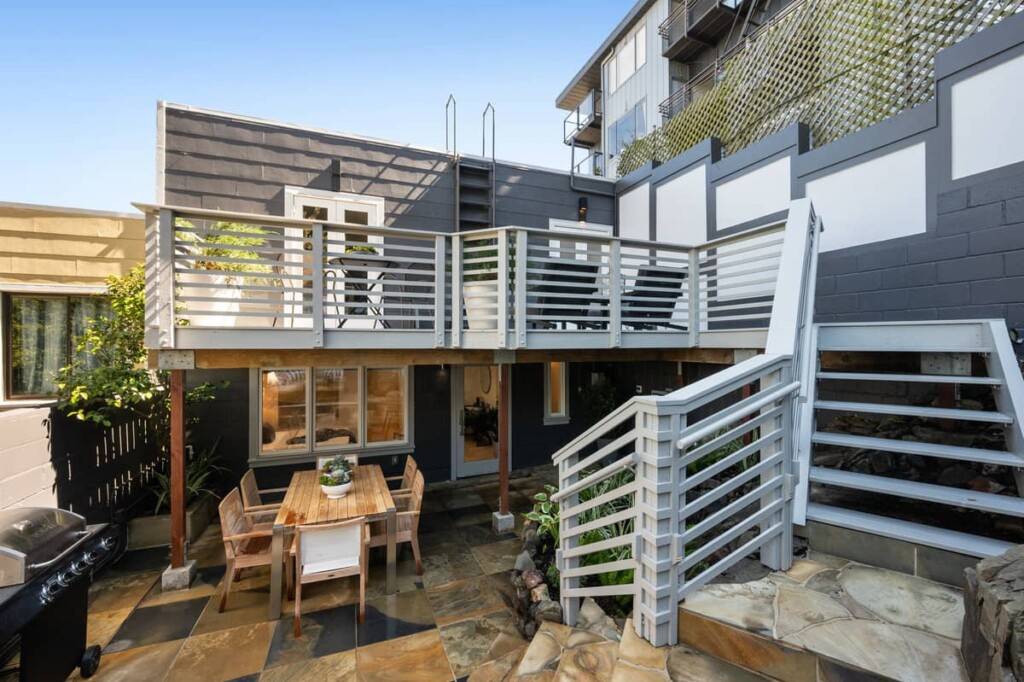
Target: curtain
39 344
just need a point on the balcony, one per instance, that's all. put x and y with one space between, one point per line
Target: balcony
582 126
695 25
219 280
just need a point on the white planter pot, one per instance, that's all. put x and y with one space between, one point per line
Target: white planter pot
230 301
481 300
336 492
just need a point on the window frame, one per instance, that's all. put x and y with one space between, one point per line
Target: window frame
310 451
7 340
563 417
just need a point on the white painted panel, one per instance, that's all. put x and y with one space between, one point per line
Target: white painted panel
682 208
985 128
635 213
879 199
753 195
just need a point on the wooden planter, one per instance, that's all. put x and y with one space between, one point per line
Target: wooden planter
155 531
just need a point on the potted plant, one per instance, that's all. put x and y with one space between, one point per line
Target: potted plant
336 478
480 289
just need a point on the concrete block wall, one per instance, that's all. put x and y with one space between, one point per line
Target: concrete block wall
26 473
972 266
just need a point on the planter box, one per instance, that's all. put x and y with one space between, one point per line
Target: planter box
481 303
145 532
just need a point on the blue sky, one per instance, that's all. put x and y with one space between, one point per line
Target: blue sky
79 86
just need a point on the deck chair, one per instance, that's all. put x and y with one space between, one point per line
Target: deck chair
407 521
246 543
404 481
252 498
329 551
652 301
575 284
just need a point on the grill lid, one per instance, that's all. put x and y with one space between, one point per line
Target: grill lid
38 531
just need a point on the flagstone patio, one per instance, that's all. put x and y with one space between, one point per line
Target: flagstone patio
438 626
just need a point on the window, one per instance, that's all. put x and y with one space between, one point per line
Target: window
627 60
42 333
352 407
556 396
632 125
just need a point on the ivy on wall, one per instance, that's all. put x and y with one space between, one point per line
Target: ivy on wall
835 65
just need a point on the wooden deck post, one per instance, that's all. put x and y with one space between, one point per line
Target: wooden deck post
504 407
177 420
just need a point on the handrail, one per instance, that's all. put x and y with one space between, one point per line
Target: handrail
729 415
591 434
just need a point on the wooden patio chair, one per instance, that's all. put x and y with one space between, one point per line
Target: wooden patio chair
406 479
407 522
252 498
329 551
246 543
566 291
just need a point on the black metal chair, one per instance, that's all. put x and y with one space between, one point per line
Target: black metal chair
576 284
652 301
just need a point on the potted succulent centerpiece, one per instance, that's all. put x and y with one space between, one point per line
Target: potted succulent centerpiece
336 478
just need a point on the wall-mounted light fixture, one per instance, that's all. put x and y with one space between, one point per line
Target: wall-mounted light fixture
582 210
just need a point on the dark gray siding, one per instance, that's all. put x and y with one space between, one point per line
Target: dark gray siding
971 266
218 162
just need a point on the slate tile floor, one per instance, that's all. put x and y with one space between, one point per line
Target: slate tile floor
439 626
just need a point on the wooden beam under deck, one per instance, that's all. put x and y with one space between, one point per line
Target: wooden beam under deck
238 359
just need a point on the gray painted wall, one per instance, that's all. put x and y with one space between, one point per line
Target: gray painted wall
222 162
966 259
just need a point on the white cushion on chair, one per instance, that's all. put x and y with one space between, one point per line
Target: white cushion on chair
330 549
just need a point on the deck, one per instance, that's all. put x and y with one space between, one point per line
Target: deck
220 280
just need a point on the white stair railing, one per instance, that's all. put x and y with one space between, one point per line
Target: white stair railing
701 477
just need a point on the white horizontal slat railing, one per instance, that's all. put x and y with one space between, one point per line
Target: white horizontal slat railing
705 471
239 280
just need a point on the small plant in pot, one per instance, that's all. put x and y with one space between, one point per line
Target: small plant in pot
336 478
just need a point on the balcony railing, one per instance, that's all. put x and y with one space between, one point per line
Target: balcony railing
228 280
586 114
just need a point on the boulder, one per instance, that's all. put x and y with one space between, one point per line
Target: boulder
524 562
992 640
593 618
532 577
547 611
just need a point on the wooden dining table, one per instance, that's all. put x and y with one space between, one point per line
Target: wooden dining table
306 504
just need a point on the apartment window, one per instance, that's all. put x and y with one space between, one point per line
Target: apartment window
42 332
631 125
556 396
628 59
342 407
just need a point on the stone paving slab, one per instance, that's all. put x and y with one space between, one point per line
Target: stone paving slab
878 621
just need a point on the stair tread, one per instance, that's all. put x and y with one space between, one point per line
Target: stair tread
990 502
915 411
917 378
908 531
968 454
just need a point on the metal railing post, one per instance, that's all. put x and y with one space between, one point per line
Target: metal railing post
570 605
456 291
165 277
615 294
519 278
440 258
655 602
317 268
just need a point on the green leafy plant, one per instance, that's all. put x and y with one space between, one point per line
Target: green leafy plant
545 513
108 377
361 248
200 471
335 477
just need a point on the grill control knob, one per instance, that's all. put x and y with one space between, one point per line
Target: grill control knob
79 566
107 543
65 578
50 591
89 558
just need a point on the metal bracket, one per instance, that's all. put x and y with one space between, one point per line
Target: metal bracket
788 486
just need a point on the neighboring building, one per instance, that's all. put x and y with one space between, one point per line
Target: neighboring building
53 263
660 56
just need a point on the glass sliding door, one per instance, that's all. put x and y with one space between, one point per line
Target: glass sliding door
475 402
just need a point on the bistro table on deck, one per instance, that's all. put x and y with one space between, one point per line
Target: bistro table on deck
306 504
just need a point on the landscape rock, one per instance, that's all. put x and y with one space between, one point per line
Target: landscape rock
540 593
550 611
592 617
532 577
992 639
524 562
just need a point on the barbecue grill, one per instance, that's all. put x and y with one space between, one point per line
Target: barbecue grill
47 559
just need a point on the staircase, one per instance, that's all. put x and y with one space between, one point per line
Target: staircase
903 430
934 439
